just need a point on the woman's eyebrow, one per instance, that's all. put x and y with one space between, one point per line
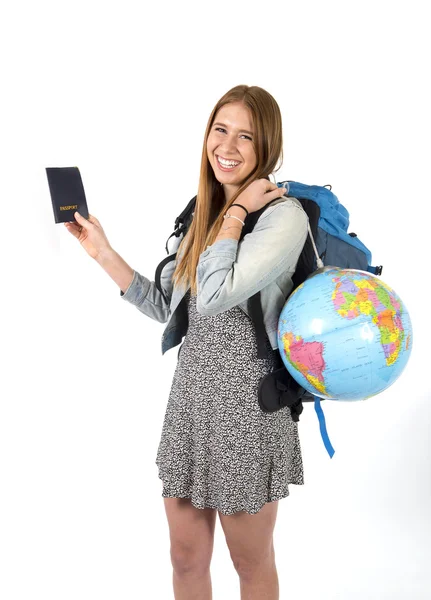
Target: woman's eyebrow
242 130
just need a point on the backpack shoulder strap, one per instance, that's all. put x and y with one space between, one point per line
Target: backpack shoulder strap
305 264
303 269
182 223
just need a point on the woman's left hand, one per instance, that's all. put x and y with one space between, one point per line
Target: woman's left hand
259 193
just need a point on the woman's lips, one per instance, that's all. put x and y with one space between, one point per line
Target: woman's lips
222 168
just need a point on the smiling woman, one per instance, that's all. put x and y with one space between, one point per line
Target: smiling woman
219 452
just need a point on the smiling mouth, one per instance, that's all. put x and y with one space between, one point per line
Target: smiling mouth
227 166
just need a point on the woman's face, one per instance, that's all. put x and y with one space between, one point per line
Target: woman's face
231 139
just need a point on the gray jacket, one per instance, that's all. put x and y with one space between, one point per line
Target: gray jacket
229 272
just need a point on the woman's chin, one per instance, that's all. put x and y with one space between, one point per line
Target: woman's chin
232 178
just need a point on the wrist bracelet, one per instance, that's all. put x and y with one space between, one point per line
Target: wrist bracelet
228 216
236 204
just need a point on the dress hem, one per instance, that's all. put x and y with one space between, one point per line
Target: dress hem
202 504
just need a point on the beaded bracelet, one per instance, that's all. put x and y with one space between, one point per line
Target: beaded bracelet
229 216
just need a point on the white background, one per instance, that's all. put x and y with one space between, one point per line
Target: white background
124 91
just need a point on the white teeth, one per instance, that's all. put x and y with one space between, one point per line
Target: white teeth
227 163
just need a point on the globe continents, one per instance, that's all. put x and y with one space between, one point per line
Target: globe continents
344 334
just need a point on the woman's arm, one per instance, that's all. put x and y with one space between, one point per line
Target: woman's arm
144 294
229 272
116 267
138 289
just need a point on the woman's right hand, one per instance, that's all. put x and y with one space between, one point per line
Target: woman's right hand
90 235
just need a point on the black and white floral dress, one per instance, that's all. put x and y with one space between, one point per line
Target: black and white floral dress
217 446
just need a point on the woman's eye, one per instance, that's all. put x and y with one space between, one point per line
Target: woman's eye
222 129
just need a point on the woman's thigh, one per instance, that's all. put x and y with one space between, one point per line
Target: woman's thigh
249 537
191 533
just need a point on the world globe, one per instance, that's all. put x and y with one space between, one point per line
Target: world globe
344 334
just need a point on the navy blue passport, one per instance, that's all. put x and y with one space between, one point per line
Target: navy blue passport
67 193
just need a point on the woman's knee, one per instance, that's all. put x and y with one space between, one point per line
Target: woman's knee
190 558
248 563
191 535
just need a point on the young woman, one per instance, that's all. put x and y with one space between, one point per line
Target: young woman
219 452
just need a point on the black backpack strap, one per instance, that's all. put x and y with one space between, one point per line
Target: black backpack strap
182 223
256 315
159 270
303 270
307 258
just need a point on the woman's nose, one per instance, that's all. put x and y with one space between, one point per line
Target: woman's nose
230 144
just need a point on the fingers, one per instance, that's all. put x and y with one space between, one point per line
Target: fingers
85 222
277 193
268 185
80 219
93 220
74 229
81 222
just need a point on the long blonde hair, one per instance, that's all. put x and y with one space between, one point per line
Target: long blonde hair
210 201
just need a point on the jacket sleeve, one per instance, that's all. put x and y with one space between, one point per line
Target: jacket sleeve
144 294
229 272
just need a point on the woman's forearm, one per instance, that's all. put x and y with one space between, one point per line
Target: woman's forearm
117 268
235 227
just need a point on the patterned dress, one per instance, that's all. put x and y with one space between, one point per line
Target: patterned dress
217 446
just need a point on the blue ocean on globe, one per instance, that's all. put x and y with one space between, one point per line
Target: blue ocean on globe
344 334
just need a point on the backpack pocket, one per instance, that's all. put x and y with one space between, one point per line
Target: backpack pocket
336 252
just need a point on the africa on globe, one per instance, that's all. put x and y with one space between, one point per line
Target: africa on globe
344 334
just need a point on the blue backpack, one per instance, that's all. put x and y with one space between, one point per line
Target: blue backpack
328 243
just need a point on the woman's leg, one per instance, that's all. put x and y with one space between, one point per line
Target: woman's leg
192 540
250 542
